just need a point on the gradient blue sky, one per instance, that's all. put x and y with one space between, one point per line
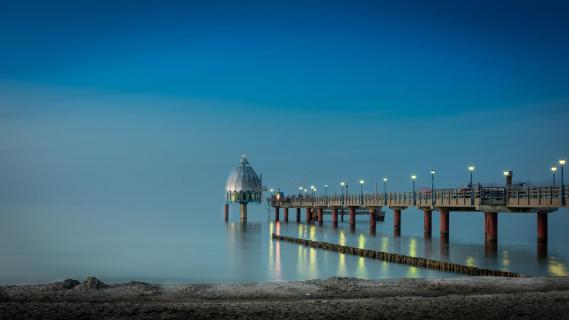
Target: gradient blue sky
130 102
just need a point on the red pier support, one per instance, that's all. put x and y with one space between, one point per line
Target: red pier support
542 227
491 223
372 219
226 212
397 221
285 214
335 216
444 224
353 216
308 215
427 223
320 216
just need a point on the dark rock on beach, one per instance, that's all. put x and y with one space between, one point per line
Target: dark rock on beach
93 283
69 283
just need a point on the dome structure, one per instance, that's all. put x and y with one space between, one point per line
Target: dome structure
243 185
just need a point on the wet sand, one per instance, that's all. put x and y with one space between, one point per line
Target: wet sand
334 298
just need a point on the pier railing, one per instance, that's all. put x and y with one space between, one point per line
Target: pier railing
512 198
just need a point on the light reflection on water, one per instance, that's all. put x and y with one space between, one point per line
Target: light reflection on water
210 250
517 259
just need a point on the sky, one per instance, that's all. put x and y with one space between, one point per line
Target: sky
139 103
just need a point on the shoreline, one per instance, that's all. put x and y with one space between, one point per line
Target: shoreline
464 297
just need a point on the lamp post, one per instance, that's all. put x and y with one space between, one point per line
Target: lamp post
562 164
471 169
342 184
553 169
300 190
385 190
508 185
433 198
362 191
413 177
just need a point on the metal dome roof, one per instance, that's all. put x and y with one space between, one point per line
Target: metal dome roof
244 179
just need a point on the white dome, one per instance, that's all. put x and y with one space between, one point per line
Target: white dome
243 184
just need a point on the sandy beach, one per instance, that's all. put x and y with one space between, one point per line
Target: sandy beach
334 298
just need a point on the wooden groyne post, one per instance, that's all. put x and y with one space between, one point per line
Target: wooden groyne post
399 258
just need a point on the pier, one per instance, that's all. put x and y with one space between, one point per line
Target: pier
540 200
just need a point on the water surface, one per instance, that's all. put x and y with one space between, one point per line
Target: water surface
176 244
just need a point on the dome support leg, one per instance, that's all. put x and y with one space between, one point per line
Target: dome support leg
243 211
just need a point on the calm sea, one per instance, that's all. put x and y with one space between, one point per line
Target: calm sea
173 245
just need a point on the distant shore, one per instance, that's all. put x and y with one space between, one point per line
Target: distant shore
346 298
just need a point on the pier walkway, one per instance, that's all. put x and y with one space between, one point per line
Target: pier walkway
490 200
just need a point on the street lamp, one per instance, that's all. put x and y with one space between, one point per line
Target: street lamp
553 169
471 169
433 199
343 184
362 190
413 177
385 190
562 164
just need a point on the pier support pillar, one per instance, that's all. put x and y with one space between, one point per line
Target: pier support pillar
277 214
308 215
335 216
243 211
226 212
297 215
397 222
427 223
542 227
320 216
444 224
352 216
491 234
342 215
372 219
285 214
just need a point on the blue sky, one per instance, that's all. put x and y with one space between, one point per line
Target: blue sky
122 102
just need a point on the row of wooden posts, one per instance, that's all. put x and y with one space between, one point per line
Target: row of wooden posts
399 258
